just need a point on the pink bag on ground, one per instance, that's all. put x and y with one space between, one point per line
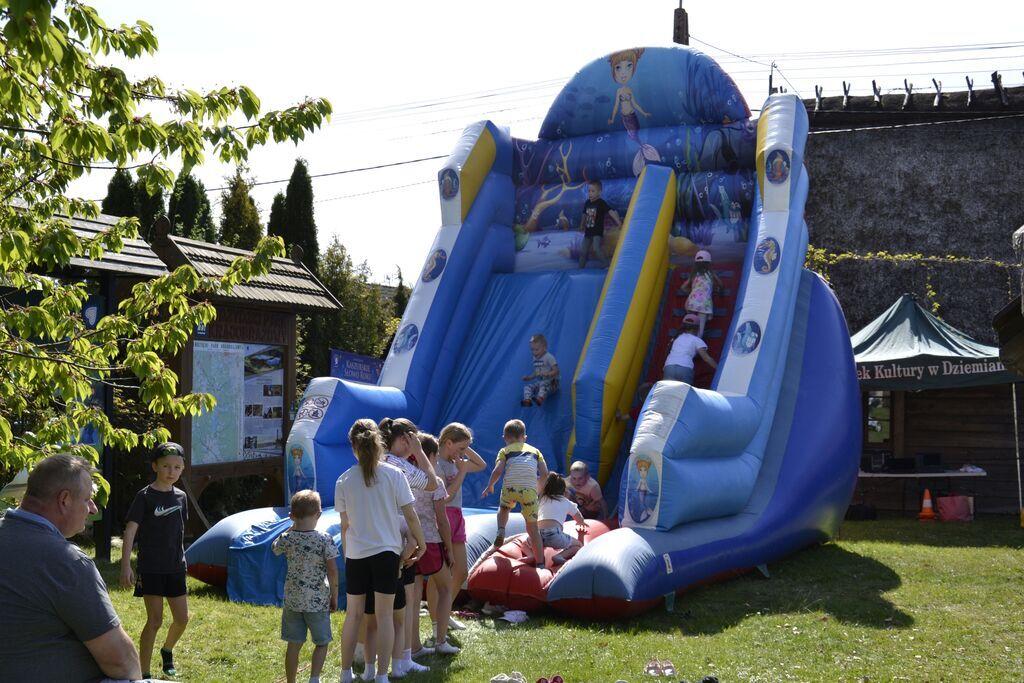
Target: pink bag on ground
955 508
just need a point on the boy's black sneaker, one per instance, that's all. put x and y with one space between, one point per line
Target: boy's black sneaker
168 658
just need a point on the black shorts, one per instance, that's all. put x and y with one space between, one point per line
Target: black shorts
374 574
399 596
164 585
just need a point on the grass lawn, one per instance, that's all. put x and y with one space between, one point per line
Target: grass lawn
889 600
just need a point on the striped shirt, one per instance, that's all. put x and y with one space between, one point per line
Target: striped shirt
416 477
522 465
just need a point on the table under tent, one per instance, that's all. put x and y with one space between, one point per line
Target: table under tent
936 409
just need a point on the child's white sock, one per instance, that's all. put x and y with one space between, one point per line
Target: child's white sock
369 672
346 676
398 667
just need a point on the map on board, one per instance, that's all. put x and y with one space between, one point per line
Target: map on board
218 368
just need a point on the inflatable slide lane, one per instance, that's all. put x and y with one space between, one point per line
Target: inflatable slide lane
654 151
723 480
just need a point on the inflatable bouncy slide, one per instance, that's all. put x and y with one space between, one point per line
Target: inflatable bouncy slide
743 467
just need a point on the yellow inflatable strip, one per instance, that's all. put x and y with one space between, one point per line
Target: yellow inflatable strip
474 171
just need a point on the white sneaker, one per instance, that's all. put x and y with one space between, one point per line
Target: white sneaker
414 667
368 674
446 648
424 650
456 624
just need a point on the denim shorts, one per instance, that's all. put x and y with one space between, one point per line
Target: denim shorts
555 538
294 625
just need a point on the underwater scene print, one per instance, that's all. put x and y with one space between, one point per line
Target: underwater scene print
685 149
712 213
631 90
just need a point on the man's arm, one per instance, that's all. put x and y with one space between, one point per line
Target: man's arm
127 542
115 654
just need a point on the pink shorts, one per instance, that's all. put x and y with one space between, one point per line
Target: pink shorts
432 560
458 524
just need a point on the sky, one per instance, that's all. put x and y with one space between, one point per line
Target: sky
405 78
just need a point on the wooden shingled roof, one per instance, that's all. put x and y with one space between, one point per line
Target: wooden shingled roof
289 286
136 259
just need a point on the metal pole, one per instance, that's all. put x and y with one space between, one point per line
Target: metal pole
1016 443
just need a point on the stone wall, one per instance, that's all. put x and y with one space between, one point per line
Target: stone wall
931 189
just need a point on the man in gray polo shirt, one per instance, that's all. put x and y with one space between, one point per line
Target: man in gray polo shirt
58 623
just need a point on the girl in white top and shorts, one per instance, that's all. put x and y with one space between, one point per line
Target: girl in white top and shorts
366 497
554 508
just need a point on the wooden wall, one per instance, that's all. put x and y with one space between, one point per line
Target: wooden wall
972 426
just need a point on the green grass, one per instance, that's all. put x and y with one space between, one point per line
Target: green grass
889 600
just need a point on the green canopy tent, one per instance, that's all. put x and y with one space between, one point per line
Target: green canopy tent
909 349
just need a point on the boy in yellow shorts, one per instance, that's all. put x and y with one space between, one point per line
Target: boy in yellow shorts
524 468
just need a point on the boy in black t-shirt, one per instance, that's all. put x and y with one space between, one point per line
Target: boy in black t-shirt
592 221
158 515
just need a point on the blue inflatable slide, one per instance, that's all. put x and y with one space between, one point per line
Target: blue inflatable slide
741 468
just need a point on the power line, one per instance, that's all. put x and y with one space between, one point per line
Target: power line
346 171
383 189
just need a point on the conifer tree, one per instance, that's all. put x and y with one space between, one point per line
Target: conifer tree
189 210
148 206
276 224
240 219
120 199
300 227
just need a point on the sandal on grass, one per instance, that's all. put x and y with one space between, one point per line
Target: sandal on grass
653 668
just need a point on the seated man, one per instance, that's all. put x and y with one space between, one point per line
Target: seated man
58 622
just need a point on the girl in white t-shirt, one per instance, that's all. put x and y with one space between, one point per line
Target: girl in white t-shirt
367 497
679 364
554 508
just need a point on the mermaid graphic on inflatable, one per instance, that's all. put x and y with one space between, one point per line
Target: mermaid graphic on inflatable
623 67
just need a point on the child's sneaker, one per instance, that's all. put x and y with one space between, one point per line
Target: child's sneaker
454 623
446 648
168 662
424 650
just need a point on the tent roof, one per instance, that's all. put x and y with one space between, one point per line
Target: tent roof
908 348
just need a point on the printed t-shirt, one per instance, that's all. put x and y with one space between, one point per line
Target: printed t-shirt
424 506
684 348
544 365
522 465
594 213
373 511
305 586
161 517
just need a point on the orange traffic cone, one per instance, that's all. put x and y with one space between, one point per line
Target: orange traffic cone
927 513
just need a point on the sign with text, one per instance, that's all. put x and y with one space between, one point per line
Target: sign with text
354 367
930 372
